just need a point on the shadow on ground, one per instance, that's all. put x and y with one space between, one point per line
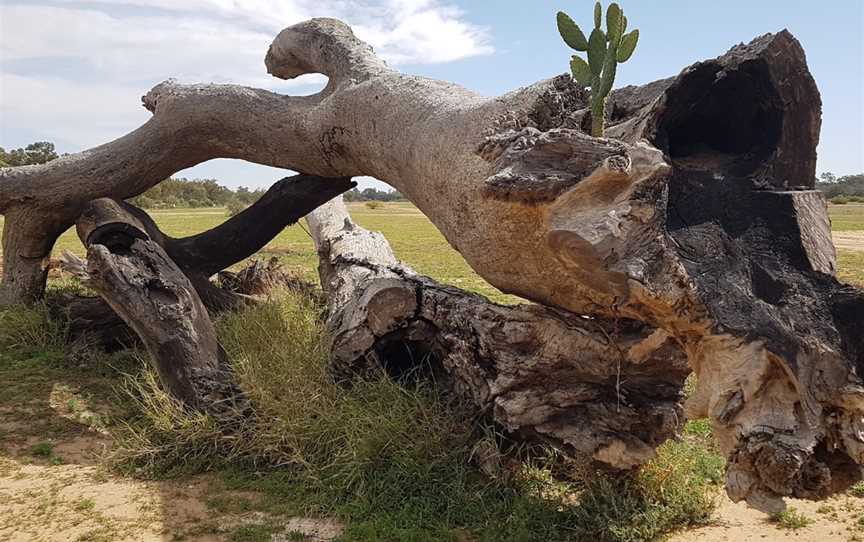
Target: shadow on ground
54 432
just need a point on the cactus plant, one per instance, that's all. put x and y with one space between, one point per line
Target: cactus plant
605 51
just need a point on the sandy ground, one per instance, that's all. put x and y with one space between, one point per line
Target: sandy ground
78 501
834 520
65 495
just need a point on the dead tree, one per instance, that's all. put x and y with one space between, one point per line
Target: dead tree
156 283
696 216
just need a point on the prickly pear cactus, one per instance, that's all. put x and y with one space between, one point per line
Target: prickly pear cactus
605 50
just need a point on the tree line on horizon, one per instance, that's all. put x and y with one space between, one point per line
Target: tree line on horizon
188 193
840 190
181 192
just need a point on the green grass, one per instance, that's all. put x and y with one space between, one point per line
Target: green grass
393 462
850 264
847 217
42 449
791 519
413 238
36 362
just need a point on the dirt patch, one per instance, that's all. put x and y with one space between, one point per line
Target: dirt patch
313 530
73 502
52 487
835 520
849 240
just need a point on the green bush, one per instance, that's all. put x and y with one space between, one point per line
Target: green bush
374 205
234 207
29 334
840 200
791 519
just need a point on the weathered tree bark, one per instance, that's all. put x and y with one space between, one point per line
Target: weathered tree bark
155 298
696 216
606 390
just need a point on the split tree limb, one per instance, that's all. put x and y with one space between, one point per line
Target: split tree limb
203 255
200 256
153 296
244 234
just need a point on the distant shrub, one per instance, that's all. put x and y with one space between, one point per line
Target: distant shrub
372 194
374 205
235 207
840 200
848 185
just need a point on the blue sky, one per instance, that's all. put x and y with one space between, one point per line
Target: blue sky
73 71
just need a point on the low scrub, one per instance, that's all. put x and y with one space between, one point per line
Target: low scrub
395 461
29 334
842 200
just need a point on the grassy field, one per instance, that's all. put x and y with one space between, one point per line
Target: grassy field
416 241
848 217
90 446
411 235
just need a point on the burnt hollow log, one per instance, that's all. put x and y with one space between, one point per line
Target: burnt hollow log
606 391
740 133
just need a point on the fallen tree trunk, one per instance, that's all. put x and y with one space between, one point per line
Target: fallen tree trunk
606 390
155 298
697 216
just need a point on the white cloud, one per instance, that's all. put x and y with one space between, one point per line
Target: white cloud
402 31
142 48
76 70
73 115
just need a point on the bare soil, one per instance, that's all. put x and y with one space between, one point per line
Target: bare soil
835 520
77 500
53 487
